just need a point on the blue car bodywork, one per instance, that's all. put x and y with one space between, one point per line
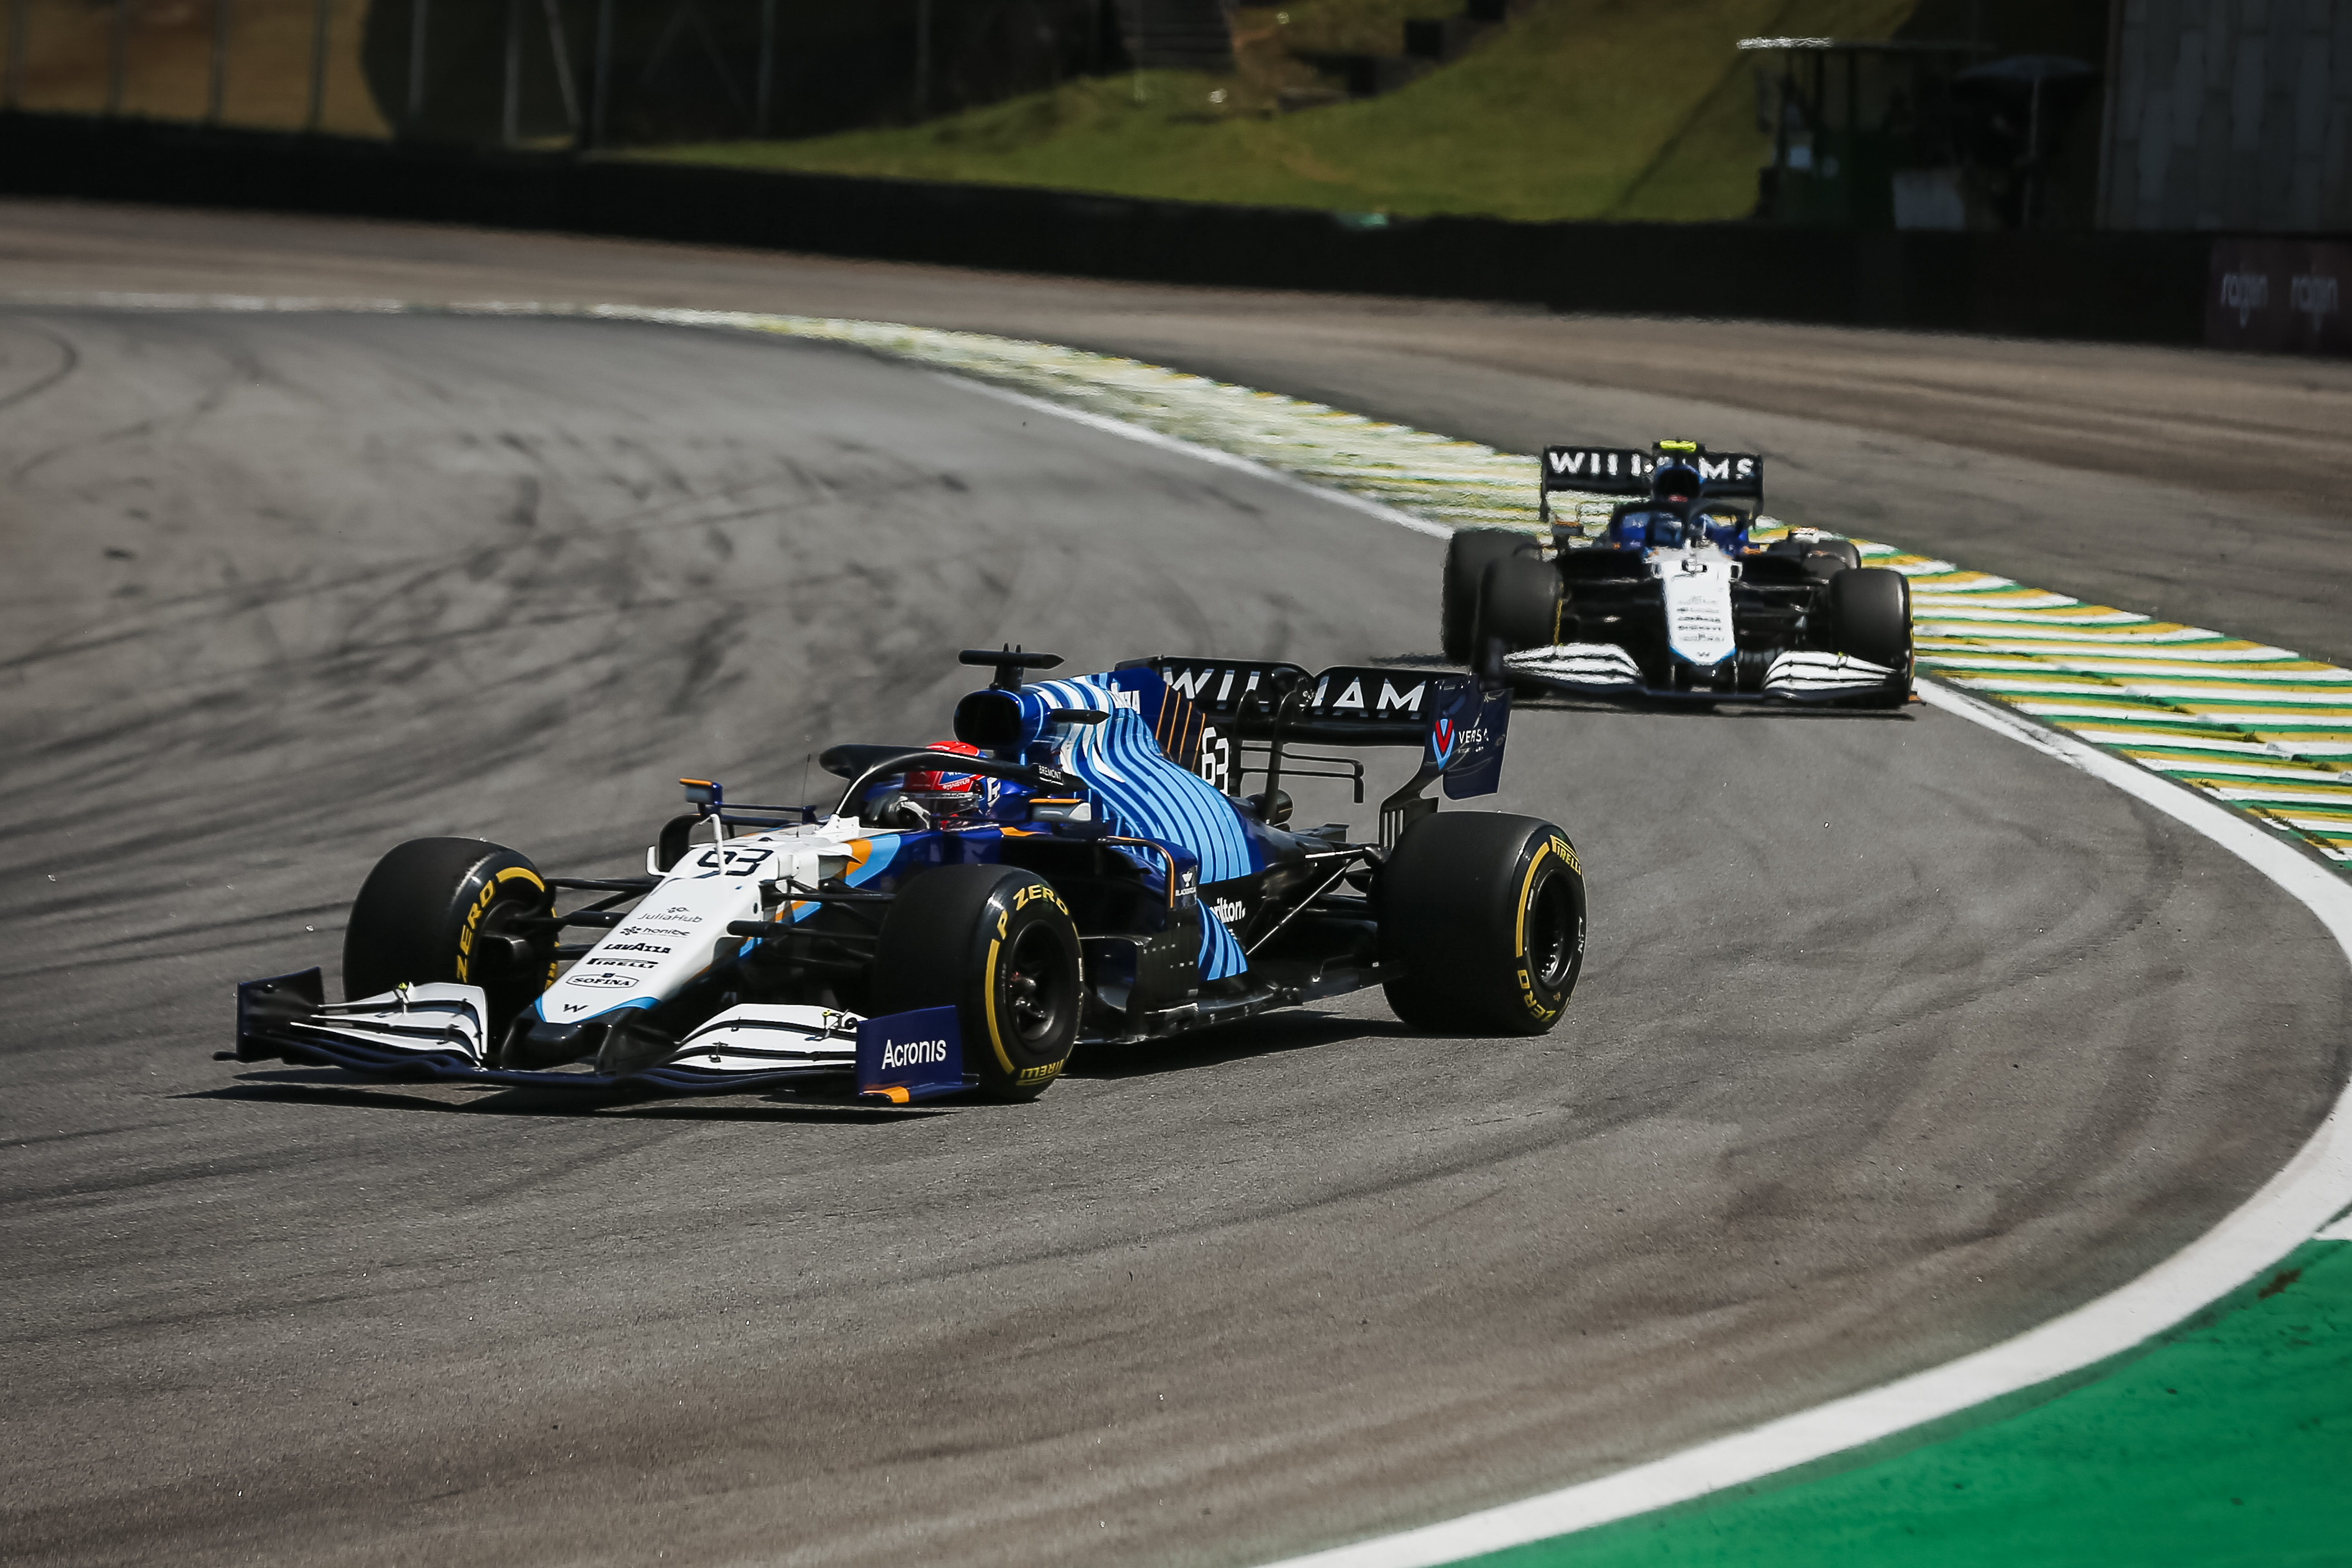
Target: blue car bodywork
742 947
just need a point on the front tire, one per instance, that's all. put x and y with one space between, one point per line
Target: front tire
1467 555
1518 607
998 946
1482 922
1870 616
451 911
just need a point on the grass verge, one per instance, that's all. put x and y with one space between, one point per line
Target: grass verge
1578 109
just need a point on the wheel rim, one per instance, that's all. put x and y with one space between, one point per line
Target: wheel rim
1037 984
1551 932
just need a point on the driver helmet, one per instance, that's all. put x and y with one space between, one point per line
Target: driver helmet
1675 482
952 792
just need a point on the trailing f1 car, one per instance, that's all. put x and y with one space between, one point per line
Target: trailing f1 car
1079 865
1672 600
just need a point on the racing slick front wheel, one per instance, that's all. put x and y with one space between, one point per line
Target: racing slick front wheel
1870 617
1467 555
1518 607
1482 922
998 946
452 909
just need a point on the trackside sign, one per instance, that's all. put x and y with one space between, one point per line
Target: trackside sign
2279 294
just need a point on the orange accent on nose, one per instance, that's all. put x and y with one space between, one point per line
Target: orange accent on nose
894 1094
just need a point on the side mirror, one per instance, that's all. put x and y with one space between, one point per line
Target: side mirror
1273 808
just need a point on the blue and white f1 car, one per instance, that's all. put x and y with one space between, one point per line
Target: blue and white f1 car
1672 600
1079 865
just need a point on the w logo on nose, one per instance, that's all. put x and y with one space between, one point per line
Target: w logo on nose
1440 741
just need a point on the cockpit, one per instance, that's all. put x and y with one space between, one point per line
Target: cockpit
1672 525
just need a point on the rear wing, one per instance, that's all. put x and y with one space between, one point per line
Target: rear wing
1625 470
1208 707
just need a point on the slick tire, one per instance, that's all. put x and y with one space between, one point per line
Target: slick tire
1518 607
998 946
1828 557
1482 922
1467 555
1870 616
450 910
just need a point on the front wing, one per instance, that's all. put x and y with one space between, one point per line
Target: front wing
439 1031
1606 669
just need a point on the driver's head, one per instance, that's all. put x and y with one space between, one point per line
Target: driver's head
1674 481
939 782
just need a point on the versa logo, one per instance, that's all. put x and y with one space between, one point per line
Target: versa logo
1448 742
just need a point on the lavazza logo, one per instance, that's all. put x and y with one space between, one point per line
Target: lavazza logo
914 1054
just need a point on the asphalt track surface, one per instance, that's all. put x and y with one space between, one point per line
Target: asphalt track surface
1894 1038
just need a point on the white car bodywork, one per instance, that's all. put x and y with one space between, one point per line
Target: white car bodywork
1696 580
676 934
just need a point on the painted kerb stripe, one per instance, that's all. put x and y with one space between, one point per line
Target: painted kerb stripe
2172 699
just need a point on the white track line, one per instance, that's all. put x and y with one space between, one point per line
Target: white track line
1205 454
2314 1187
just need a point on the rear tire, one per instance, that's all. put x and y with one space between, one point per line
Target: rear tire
1828 557
998 946
446 910
1481 921
1467 555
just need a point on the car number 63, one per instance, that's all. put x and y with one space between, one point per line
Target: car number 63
730 860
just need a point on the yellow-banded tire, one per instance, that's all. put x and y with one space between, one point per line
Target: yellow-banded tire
998 945
451 910
1482 924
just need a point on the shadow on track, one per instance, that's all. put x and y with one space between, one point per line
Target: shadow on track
1271 1035
580 1105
